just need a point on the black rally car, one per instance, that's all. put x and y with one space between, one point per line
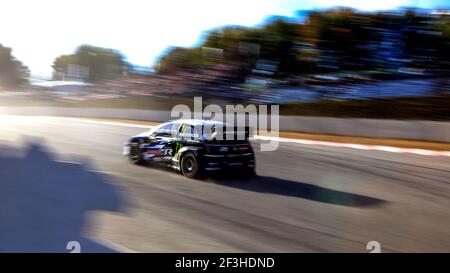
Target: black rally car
194 147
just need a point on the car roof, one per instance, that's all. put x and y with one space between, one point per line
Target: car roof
197 122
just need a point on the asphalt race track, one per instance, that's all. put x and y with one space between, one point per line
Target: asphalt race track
65 180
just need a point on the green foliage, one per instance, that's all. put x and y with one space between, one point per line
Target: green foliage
332 40
12 71
101 62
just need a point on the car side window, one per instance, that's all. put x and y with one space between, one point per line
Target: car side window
185 130
188 131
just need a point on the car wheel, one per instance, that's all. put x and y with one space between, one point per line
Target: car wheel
190 166
135 154
249 172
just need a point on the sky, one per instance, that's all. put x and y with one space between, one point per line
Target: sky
40 30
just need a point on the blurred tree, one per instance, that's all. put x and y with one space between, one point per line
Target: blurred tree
99 63
279 41
274 42
442 32
178 58
342 39
12 72
333 40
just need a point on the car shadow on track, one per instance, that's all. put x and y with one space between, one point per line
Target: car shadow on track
43 202
274 185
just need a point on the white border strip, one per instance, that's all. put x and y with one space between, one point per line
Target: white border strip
357 146
114 123
298 141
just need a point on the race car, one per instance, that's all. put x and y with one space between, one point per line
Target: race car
194 147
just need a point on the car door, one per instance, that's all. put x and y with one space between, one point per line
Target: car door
188 136
163 141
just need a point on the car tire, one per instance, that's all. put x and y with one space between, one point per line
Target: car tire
249 173
190 166
135 154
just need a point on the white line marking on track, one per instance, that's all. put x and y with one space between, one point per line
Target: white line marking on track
358 146
316 142
108 122
298 141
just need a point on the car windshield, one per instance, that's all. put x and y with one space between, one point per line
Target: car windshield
165 129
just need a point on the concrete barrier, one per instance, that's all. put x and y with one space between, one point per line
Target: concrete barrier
402 129
411 129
